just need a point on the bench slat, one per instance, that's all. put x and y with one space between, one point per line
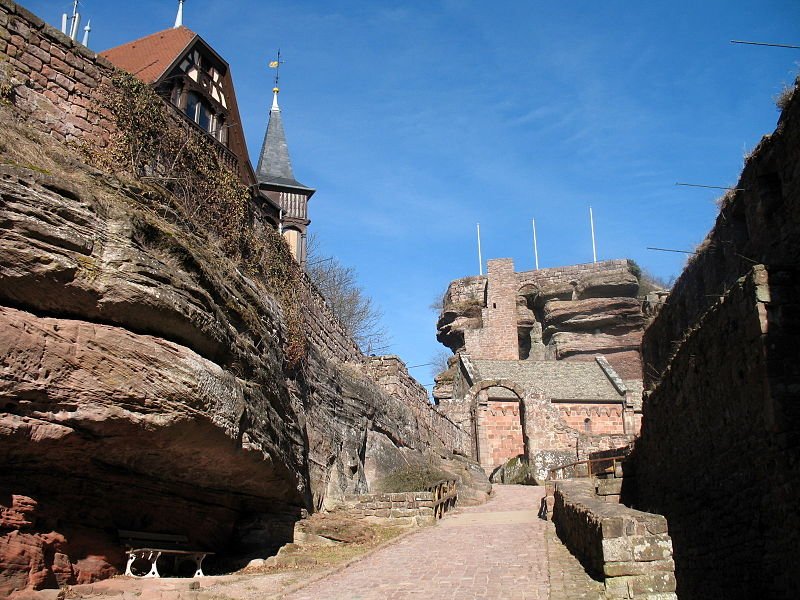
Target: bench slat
155 537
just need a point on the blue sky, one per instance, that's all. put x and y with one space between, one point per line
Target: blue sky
416 120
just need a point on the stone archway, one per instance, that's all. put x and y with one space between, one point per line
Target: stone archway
498 423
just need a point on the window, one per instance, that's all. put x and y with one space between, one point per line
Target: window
198 111
220 130
192 100
587 425
203 116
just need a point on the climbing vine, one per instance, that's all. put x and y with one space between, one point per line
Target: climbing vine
189 175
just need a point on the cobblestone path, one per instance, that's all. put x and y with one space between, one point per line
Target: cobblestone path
497 550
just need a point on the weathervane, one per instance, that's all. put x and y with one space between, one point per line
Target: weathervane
276 64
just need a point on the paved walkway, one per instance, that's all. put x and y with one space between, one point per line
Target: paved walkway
497 550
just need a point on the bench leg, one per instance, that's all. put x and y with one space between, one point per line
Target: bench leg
131 558
153 557
198 559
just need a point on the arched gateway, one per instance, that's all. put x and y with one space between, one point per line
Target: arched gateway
498 417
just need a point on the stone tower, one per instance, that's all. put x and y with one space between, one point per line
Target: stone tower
276 180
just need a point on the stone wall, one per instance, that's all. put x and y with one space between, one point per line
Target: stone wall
629 550
597 419
55 79
409 507
326 332
390 373
718 454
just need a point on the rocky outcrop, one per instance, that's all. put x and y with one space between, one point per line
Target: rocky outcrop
569 313
607 314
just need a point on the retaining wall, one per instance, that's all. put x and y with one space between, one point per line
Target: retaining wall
718 454
416 507
629 550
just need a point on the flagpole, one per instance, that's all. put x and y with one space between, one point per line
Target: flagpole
480 259
594 247
535 246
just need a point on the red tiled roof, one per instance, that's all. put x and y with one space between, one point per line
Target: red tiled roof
150 56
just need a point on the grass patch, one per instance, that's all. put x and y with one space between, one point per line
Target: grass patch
348 537
411 479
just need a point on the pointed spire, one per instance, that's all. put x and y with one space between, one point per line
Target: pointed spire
274 165
179 17
275 100
86 31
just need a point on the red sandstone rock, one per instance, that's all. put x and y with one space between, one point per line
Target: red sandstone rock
564 344
592 314
19 514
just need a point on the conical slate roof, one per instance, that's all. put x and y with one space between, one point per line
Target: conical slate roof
274 165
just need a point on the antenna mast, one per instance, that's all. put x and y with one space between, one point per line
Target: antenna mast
480 259
76 21
535 246
591 223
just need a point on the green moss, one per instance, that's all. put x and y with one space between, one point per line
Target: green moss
30 167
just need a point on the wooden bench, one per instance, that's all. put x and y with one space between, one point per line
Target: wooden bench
152 546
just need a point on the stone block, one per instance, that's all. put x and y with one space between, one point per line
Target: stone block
31 19
656 524
618 587
613 527
606 487
618 550
39 53
648 548
620 569
382 512
655 582
20 27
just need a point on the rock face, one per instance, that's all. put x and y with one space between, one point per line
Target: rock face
143 384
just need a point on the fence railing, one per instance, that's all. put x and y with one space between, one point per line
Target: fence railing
445 496
611 465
